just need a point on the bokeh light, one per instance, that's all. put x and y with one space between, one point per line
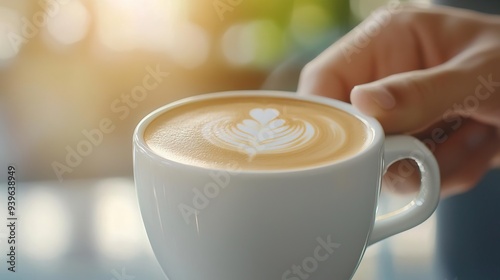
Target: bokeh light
127 25
269 42
362 8
118 226
237 45
191 46
45 226
259 43
70 24
308 23
10 24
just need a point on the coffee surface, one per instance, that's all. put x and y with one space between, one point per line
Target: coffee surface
256 133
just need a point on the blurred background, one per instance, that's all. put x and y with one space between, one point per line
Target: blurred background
65 65
68 68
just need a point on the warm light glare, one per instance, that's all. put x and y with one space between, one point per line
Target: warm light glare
191 46
70 24
10 25
118 226
45 226
129 24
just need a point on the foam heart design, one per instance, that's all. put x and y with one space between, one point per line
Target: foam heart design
262 133
264 116
250 127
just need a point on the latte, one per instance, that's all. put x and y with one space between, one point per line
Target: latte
257 133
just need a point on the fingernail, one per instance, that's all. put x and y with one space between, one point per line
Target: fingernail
382 97
372 99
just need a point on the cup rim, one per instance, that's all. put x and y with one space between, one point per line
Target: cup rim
376 131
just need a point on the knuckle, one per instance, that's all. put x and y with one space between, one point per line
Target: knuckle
410 15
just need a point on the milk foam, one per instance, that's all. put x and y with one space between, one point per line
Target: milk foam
256 133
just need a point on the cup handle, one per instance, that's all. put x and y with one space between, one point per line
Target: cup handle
423 205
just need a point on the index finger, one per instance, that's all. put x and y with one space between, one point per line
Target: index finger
382 45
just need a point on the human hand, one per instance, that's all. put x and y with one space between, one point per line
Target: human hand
430 72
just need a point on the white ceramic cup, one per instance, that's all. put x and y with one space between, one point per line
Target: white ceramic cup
315 223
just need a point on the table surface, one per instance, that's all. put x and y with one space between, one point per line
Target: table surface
92 229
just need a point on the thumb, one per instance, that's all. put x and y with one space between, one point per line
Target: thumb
413 100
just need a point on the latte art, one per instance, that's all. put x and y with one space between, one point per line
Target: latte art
264 132
256 133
